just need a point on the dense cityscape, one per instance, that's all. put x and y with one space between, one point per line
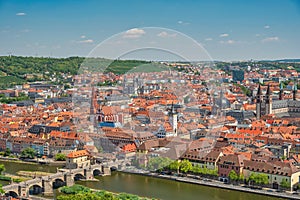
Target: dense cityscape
230 124
140 100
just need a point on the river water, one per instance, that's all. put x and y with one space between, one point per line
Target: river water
14 167
146 186
166 189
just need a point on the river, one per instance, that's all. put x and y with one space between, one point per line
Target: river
13 167
146 186
166 189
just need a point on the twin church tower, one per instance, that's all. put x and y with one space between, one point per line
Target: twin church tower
265 104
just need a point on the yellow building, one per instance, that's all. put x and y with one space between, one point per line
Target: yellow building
78 159
277 171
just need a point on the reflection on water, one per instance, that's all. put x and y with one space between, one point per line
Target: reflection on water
14 167
166 189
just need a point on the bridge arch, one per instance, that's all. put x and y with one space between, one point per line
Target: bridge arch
97 171
113 168
35 189
11 193
58 182
78 176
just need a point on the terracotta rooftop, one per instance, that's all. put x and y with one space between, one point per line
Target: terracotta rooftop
77 154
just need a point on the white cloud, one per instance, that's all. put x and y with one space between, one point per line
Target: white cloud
183 23
89 41
164 34
228 42
267 26
134 33
270 39
224 35
257 35
208 39
20 14
82 36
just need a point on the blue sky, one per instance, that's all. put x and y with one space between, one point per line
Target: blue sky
228 30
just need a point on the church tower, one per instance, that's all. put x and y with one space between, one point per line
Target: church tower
281 91
93 106
269 101
173 116
294 91
259 100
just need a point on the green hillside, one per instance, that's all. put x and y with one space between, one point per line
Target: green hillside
17 69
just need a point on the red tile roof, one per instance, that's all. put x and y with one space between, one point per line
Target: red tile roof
77 154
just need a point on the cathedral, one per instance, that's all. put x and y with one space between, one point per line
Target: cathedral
280 107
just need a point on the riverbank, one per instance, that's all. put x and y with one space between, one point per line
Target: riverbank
33 161
70 192
215 184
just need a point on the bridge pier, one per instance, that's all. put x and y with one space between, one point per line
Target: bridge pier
23 192
48 188
69 179
88 173
106 171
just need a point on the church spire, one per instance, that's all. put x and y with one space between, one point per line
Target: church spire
268 91
268 101
281 91
294 91
259 92
281 86
258 102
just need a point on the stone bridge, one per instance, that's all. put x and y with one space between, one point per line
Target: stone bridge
64 177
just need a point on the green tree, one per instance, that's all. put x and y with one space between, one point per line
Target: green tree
60 157
2 168
158 163
185 166
125 196
261 179
1 189
241 177
7 152
100 149
28 153
233 175
245 90
197 169
174 166
212 172
74 189
284 183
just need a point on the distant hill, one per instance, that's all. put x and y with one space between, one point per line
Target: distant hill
289 60
17 69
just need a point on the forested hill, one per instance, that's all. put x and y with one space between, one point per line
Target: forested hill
19 66
17 69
